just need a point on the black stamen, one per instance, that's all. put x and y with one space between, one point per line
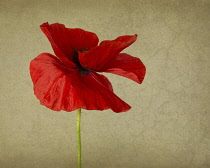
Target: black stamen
82 70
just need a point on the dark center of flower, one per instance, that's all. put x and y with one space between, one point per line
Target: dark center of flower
82 70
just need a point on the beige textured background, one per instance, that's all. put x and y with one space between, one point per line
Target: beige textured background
168 125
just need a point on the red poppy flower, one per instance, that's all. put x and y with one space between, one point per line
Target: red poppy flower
69 80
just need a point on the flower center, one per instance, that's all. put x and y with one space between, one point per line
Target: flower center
82 70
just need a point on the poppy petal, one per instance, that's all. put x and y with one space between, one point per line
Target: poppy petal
128 39
99 95
65 41
99 57
61 88
127 66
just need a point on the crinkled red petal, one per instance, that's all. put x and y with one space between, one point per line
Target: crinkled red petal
127 39
127 66
61 88
99 57
65 41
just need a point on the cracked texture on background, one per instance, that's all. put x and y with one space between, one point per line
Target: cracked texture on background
168 125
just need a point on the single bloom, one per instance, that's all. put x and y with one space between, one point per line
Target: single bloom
69 80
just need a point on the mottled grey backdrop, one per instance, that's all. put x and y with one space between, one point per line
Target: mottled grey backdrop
168 125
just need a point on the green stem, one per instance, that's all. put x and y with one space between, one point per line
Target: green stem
79 138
